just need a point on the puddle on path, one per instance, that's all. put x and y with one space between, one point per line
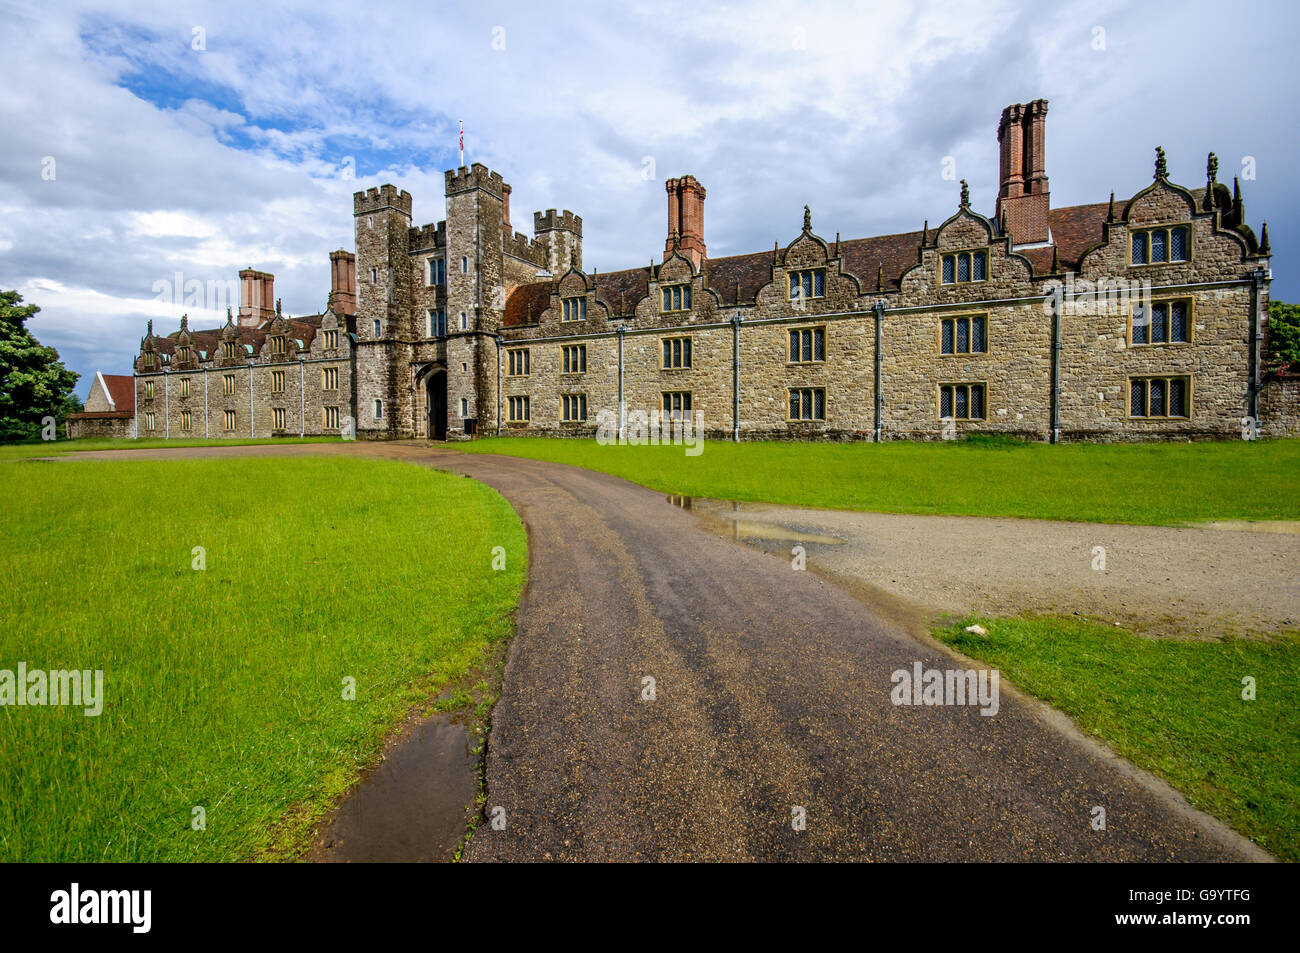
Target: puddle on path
738 521
414 806
1252 526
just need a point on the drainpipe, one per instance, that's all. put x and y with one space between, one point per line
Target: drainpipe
136 384
167 417
1256 303
499 343
622 403
879 308
251 433
207 417
1056 367
302 392
735 376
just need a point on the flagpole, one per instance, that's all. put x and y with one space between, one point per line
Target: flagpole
462 143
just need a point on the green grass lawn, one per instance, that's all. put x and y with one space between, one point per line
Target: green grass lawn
1172 707
43 448
1102 483
224 687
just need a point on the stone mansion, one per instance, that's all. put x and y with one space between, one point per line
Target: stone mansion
1128 319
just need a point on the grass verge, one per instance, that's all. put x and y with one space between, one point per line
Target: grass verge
1159 484
43 448
1172 707
223 688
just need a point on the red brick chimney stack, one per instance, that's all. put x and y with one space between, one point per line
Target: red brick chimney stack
343 282
256 297
1022 190
686 218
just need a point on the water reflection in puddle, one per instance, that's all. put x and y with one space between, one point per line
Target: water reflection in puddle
414 806
737 520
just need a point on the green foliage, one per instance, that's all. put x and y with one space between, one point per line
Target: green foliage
223 687
33 382
1171 706
1094 483
1283 335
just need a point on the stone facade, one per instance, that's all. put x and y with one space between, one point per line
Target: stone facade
1036 322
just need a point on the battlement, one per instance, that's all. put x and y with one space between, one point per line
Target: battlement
521 246
385 196
427 236
477 176
565 221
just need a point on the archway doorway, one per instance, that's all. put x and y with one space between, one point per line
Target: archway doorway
436 402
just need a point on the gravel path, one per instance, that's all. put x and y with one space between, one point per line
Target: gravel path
1227 579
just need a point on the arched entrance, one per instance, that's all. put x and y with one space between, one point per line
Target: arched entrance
436 403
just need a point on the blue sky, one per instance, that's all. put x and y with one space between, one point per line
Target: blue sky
199 139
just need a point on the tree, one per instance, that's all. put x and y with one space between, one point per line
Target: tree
34 384
1283 335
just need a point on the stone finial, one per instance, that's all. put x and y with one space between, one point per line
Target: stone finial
277 307
737 291
149 333
1006 222
185 322
880 276
925 233
1212 167
836 253
776 253
1110 211
965 194
807 219
230 319
1056 259
1162 166
1264 248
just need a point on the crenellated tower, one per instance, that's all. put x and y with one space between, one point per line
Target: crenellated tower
383 316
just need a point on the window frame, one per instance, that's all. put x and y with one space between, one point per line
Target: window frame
938 401
571 304
797 275
513 355
955 254
688 403
566 364
1168 229
229 420
1191 323
277 382
824 329
578 400
325 415
665 295
971 316
687 352
330 339
789 391
526 405
1146 400
329 377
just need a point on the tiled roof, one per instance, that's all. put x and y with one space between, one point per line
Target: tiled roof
739 277
121 390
